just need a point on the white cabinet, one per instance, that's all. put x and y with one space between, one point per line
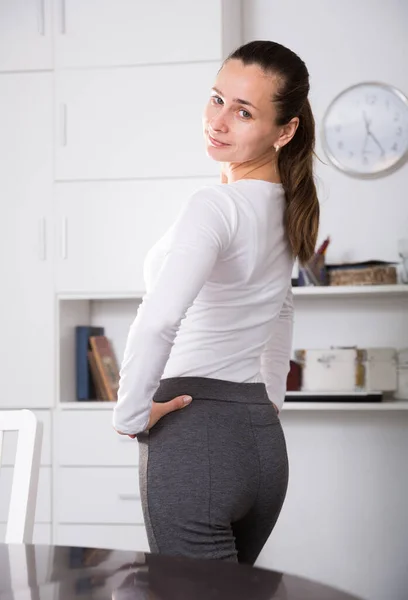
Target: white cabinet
26 268
117 537
129 32
104 230
139 122
87 438
25 35
99 495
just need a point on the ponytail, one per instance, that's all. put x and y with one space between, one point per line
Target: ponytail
295 163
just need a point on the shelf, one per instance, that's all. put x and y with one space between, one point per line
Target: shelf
344 406
82 405
100 295
329 291
288 406
346 290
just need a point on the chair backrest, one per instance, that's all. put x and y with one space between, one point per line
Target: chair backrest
23 499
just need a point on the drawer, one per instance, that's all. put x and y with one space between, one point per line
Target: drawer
10 441
43 509
87 438
98 495
116 537
41 535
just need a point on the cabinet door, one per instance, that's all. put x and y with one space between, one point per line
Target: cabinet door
140 122
131 32
25 35
26 271
104 230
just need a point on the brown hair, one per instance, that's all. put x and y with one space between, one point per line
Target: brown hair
295 159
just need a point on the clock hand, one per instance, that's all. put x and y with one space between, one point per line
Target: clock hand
377 142
366 122
364 151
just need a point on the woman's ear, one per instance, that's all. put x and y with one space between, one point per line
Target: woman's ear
287 132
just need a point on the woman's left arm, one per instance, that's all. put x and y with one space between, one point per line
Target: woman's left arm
203 230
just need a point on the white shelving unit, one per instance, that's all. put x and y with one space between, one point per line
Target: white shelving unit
312 291
100 307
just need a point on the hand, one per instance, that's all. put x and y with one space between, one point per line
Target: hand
159 409
276 408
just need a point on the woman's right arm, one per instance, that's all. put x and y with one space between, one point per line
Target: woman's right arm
275 359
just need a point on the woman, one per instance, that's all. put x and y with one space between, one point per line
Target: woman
215 325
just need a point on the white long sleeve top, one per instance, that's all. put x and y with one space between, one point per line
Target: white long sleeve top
218 299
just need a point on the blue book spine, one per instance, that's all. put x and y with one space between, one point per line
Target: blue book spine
85 389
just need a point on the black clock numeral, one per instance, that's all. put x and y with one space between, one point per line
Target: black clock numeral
340 145
395 147
396 117
351 154
337 128
365 160
371 99
399 131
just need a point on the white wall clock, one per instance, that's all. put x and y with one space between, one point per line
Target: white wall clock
365 130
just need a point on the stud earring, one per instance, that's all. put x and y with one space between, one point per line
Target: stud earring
277 147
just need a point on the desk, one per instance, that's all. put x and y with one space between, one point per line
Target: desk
68 573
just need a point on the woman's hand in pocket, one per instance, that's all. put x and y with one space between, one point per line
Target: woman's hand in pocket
159 409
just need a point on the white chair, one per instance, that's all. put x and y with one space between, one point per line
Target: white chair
23 499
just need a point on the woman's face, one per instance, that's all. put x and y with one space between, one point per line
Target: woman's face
239 119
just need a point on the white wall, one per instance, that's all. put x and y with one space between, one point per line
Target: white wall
345 519
343 43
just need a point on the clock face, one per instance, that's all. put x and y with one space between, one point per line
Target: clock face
365 130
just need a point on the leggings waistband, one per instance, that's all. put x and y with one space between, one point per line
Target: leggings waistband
206 388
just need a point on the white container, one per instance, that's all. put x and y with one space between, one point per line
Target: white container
378 369
332 370
402 375
349 369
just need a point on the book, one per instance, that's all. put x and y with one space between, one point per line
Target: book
85 388
107 365
101 394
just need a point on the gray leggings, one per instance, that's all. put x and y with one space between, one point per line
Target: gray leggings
213 475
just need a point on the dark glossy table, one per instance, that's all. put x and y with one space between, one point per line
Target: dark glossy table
65 573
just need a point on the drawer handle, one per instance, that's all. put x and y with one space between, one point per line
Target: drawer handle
41 17
129 496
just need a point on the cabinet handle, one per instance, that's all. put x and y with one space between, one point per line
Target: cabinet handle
41 17
42 241
63 18
63 125
129 496
64 239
